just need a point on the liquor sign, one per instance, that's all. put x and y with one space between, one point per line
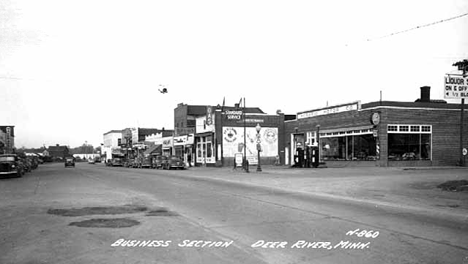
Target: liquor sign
455 87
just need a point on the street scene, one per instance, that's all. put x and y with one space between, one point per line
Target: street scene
279 132
94 213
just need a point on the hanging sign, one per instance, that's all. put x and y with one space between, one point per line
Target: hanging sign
209 115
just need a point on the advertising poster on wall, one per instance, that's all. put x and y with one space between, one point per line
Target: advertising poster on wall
233 141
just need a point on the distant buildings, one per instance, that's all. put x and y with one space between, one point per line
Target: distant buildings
58 151
425 132
125 141
7 139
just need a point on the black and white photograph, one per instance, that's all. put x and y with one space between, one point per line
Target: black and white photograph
226 132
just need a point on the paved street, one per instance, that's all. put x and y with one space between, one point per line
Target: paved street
99 214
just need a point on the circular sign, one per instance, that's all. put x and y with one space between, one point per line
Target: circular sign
375 118
465 151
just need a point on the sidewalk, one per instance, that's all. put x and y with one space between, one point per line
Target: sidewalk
414 189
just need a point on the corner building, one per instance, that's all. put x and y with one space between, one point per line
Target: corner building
218 134
384 133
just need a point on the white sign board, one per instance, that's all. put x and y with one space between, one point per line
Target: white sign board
238 159
233 141
455 87
329 110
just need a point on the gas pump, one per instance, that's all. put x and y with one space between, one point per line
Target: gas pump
315 155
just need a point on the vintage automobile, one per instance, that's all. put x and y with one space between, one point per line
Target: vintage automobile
34 162
117 162
128 163
26 162
147 162
10 166
174 162
159 161
69 162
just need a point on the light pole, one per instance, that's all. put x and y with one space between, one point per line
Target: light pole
259 147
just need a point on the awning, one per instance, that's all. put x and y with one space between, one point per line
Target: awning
156 149
204 134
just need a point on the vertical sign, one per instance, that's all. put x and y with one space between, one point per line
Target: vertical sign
8 140
209 115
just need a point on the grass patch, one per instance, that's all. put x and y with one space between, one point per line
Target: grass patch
454 186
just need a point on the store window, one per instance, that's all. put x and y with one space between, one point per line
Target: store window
310 138
205 150
409 144
349 145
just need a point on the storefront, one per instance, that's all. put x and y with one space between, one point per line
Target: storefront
167 146
422 133
205 139
205 154
183 147
244 134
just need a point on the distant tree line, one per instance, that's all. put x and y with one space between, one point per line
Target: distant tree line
83 149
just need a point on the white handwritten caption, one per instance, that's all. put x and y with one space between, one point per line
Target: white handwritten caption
166 243
261 244
322 244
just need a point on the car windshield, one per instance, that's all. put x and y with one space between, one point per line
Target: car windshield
69 159
7 158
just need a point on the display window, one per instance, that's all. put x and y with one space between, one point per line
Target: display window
355 147
348 144
409 142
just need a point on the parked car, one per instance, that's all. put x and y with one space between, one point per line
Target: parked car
147 162
159 161
27 165
34 162
174 163
115 162
10 165
128 163
69 162
91 161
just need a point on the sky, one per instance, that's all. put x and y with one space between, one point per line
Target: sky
71 71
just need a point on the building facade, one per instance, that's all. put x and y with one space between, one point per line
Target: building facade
421 133
58 151
239 134
112 141
7 139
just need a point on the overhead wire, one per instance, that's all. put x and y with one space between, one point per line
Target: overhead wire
419 27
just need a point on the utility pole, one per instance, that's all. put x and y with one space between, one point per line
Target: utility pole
462 66
246 162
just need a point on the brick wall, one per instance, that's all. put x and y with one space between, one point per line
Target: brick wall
444 119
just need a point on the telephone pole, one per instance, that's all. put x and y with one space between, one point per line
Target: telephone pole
462 66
